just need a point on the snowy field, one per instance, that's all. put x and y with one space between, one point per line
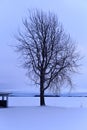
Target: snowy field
61 113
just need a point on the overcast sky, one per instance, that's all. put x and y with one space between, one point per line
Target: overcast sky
71 13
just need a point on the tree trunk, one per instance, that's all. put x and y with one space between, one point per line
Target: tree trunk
42 78
42 100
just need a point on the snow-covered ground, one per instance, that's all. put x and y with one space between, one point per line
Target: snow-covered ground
63 113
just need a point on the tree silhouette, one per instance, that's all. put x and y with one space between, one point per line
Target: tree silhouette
49 54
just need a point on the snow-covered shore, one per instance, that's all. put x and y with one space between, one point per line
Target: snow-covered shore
59 114
43 118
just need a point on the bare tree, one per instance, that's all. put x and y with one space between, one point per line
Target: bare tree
49 53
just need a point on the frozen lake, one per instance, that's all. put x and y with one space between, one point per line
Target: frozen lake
50 101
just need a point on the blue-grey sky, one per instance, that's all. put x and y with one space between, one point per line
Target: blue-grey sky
72 14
